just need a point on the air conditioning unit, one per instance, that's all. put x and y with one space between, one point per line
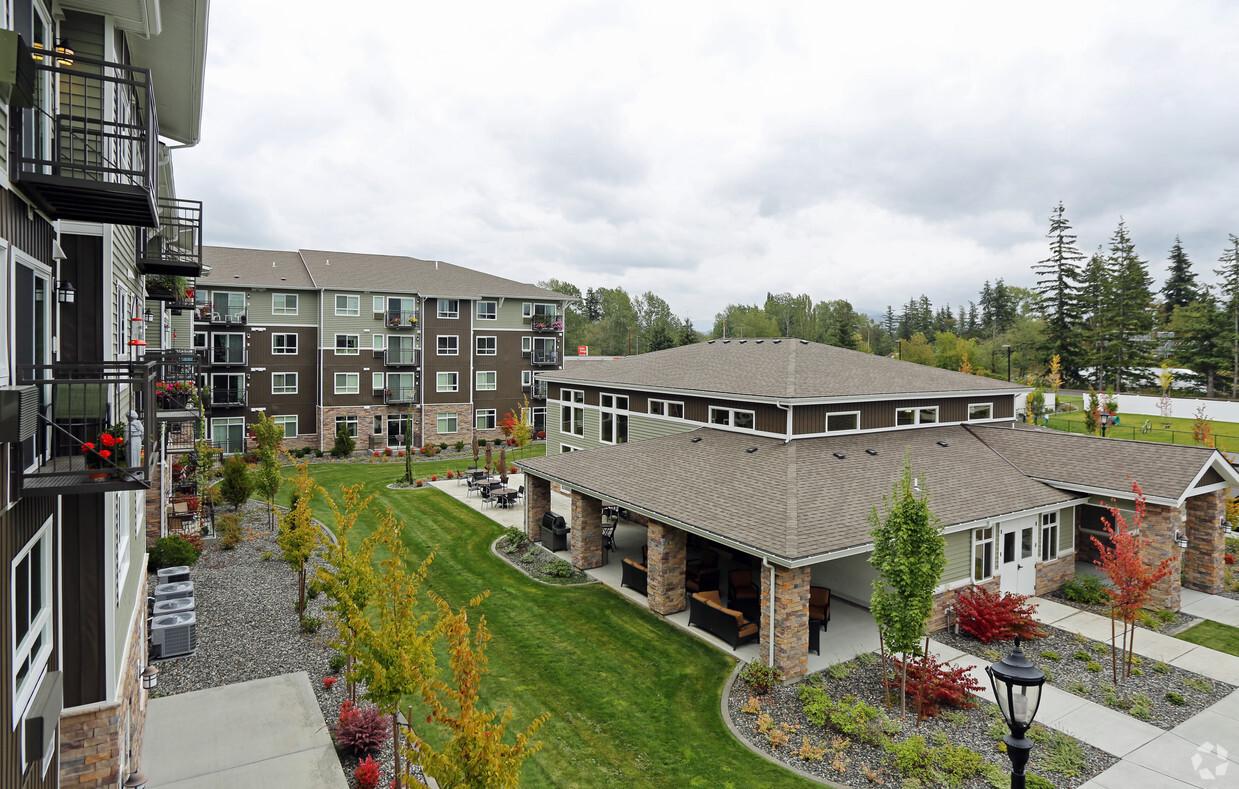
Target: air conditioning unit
176 606
19 413
174 591
171 575
174 634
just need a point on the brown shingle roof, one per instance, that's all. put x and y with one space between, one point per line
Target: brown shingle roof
796 500
233 266
779 368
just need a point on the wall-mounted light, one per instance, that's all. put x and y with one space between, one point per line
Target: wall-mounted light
64 53
136 780
148 315
1180 538
150 677
65 292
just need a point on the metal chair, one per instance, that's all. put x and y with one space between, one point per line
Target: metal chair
608 535
486 497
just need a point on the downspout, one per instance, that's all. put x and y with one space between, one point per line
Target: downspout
788 437
766 563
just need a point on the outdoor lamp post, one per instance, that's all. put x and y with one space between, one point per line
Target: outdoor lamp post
899 344
1008 347
1017 687
1105 420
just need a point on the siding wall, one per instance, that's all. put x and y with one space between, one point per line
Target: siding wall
260 308
958 557
811 419
304 363
850 578
433 326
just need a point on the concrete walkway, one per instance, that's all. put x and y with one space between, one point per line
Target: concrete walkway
1209 606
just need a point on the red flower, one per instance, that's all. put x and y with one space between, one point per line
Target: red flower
1230 559
105 453
87 446
107 439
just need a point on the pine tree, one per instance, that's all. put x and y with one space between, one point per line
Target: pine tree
1058 284
1229 283
1180 289
1132 309
987 309
1202 337
889 321
1095 298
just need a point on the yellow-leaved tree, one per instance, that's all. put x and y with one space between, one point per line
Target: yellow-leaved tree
299 537
347 576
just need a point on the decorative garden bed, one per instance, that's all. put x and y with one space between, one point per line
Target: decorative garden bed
537 562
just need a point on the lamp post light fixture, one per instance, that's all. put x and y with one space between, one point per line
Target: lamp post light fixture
1017 686
1105 420
1008 347
148 316
1180 538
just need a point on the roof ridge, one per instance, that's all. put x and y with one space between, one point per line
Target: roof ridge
985 444
791 370
309 273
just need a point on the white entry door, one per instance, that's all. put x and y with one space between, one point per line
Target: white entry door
1018 566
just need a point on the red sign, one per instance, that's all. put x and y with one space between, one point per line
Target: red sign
582 350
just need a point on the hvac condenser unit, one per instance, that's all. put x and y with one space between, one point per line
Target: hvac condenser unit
174 591
174 634
176 605
171 575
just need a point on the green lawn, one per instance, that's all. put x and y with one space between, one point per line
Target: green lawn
633 701
422 469
1214 635
1130 426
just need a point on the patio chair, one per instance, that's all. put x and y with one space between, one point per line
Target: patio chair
608 536
520 493
741 588
819 604
486 497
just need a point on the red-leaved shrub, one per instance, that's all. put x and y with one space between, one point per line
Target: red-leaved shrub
937 683
990 616
541 434
434 477
360 730
328 682
367 774
1230 558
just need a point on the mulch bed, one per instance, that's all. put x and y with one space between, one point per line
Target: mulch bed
539 563
1162 622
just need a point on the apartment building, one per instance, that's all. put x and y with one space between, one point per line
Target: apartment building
378 344
87 208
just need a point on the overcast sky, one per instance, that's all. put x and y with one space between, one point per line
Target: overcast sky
714 151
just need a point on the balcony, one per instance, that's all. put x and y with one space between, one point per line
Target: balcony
229 398
400 394
402 357
176 389
181 437
545 358
539 390
173 365
78 404
235 316
227 356
400 319
175 248
85 150
547 323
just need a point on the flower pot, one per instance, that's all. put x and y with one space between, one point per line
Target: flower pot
98 476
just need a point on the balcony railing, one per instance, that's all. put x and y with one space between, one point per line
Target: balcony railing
229 446
173 365
400 394
180 437
545 323
227 398
545 358
400 319
235 316
79 403
176 246
539 390
402 357
85 150
227 356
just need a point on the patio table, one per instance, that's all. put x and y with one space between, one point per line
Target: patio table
504 495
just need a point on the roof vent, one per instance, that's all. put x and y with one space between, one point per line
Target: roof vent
709 342
751 450
236 276
273 264
726 341
759 342
742 342
283 279
328 262
871 452
943 444
840 455
696 439
776 342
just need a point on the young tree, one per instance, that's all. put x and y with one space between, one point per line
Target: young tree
522 431
407 479
1180 289
345 444
1092 419
267 477
909 554
236 486
299 536
1058 289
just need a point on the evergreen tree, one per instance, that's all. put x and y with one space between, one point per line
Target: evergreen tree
688 335
1132 314
987 309
593 306
1229 284
1058 282
1180 289
889 321
1004 307
1202 340
842 331
237 485
1095 298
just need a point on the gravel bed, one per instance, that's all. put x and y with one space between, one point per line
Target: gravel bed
248 629
979 728
537 562
1072 675
1161 623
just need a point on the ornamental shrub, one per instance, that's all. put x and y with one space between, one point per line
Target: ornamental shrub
172 551
367 774
229 528
990 616
442 446
460 446
344 445
1087 589
761 678
936 683
237 484
360 730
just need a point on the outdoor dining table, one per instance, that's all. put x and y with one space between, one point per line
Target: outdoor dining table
504 495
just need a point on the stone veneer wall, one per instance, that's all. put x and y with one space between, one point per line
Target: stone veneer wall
1160 523
586 531
791 619
1053 574
944 600
1204 560
93 739
537 504
365 416
429 420
668 555
154 505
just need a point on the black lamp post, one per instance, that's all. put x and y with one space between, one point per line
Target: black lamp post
1008 347
1017 687
1105 420
899 343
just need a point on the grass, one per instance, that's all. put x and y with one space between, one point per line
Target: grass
633 701
422 469
1215 635
1180 432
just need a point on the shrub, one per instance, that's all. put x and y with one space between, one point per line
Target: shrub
1142 707
809 752
1083 654
420 482
558 568
376 454
512 469
460 446
1087 589
752 706
498 442
360 731
172 551
229 528
442 446
1093 666
1198 684
937 684
344 445
1175 698
237 485
990 616
310 623
328 681
367 774
1229 558
434 477
541 434
266 556
336 662
1050 655
387 451
318 453
761 678
948 764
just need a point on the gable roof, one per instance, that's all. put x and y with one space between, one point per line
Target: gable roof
780 368
796 502
250 267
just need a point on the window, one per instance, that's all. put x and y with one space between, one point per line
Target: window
448 344
284 344
667 408
565 449
837 423
527 310
347 383
526 379
544 351
447 382
228 307
32 617
978 411
348 305
378 425
200 339
346 345
526 344
916 416
288 422
449 308
487 346
348 423
484 419
614 423
732 417
283 303
376 342
283 383
488 310
376 383
1049 536
486 381
446 423
572 417
983 554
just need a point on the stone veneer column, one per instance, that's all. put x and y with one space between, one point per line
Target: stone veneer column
537 504
1160 523
668 552
1204 561
586 531
791 619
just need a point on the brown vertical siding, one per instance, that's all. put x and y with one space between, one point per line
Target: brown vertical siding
31 235
811 419
304 363
508 365
432 327
83 581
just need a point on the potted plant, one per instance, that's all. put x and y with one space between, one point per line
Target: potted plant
104 453
412 320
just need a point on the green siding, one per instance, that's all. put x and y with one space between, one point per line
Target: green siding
642 427
307 309
132 515
508 316
1066 528
958 557
367 324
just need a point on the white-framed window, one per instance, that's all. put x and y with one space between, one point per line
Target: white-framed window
348 423
983 554
486 381
377 342
376 304
526 378
526 344
527 310
347 345
449 308
979 411
347 383
283 303
1049 536
613 425
446 423
200 339
283 383
572 415
916 416
124 517
566 448
488 310
843 422
447 382
288 422
487 346
376 382
31 576
348 304
378 425
732 417
284 344
671 408
447 345
484 419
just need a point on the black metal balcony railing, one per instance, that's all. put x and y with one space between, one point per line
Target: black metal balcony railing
228 397
402 357
234 316
539 390
79 403
400 319
547 323
181 437
400 394
545 357
228 356
85 150
176 246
